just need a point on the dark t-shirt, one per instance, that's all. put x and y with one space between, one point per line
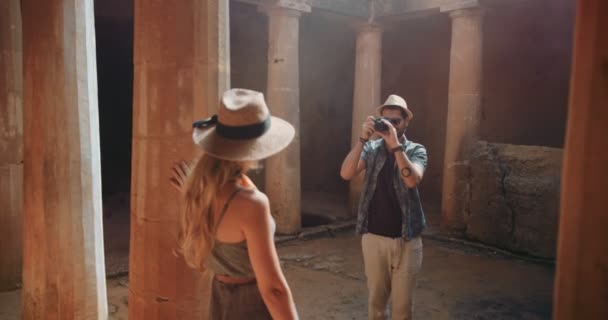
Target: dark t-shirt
384 213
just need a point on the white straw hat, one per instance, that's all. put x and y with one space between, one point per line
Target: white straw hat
396 101
243 129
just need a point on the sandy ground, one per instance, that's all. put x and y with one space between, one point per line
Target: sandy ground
327 278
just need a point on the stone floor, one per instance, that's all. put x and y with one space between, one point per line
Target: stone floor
456 282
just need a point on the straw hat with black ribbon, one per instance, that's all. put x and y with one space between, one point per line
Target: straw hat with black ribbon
243 129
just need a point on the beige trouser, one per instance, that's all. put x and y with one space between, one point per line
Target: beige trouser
391 267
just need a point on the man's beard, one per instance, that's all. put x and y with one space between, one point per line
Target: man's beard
401 133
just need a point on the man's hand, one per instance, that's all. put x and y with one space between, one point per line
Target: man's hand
352 164
368 128
179 176
390 136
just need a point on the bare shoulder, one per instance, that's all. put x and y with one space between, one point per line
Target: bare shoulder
251 203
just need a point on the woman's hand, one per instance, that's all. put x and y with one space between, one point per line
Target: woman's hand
179 176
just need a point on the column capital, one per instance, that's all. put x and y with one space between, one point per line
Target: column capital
463 8
285 7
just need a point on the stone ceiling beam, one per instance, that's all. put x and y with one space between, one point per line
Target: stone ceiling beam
401 7
459 5
354 8
385 9
407 8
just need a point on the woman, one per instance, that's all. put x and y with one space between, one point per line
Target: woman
226 225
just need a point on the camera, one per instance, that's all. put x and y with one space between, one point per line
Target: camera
379 125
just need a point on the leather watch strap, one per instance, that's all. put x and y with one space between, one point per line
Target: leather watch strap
399 148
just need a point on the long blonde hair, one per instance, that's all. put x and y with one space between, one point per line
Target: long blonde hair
197 220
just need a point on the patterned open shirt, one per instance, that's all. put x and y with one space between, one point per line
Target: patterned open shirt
375 154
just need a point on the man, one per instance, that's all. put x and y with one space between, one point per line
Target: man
390 215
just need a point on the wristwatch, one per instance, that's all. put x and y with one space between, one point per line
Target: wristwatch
399 148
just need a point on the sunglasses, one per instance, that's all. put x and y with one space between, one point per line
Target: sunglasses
393 121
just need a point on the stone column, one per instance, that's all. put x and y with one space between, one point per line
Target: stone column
581 281
368 71
181 59
464 108
283 98
11 145
63 252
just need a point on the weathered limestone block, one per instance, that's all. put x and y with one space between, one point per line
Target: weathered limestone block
514 197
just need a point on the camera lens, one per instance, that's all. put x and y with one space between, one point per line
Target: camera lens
379 125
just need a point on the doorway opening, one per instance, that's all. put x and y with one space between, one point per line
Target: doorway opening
114 43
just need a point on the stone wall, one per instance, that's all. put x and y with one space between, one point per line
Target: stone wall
248 50
327 66
115 92
416 65
327 59
526 72
514 197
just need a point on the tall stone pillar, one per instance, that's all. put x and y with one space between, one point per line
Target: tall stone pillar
581 281
464 109
181 58
63 253
368 71
283 98
11 144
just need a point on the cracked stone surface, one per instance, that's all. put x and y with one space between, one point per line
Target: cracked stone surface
515 197
328 282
